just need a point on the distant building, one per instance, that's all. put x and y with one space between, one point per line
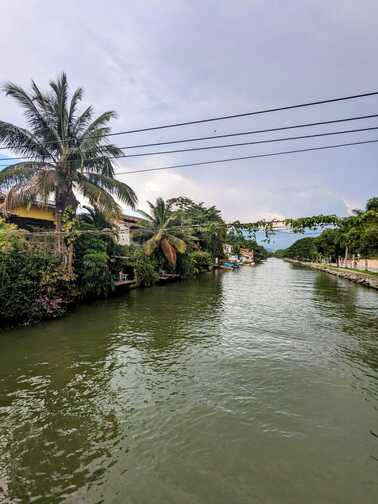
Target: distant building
126 226
247 256
227 249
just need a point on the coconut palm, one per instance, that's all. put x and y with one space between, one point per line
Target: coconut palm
94 218
64 152
158 232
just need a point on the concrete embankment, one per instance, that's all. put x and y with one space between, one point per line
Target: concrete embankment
367 279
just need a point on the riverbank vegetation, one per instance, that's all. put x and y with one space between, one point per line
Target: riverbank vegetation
64 152
356 236
179 237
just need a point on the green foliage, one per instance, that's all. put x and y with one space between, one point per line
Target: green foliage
95 276
10 236
162 233
94 218
92 266
297 225
145 267
69 151
328 243
372 204
202 260
305 248
33 286
194 262
357 234
209 229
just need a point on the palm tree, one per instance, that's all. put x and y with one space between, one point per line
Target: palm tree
94 218
160 233
63 151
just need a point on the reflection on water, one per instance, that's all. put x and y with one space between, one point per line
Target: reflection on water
239 387
353 311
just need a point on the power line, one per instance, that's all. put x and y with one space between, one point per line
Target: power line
252 132
271 154
240 158
255 142
245 114
221 118
236 134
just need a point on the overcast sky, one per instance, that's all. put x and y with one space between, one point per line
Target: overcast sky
157 62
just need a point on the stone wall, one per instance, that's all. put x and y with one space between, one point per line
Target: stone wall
365 279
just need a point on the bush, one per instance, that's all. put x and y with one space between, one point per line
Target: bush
33 286
145 267
92 266
202 260
194 263
10 236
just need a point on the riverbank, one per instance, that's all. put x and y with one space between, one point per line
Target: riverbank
362 278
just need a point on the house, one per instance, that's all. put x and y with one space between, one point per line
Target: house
126 226
35 215
227 249
43 216
247 256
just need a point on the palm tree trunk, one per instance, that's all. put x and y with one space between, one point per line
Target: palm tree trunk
64 199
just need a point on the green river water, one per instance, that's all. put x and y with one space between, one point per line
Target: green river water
258 386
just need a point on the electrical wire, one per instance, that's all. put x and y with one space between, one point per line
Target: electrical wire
224 117
240 158
222 146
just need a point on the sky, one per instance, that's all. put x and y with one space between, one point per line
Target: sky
167 61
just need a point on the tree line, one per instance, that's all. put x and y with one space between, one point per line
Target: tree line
356 236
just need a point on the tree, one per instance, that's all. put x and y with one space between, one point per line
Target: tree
64 151
158 232
305 248
328 244
208 226
94 218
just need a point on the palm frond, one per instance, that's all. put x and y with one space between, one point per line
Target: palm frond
99 198
36 119
61 140
147 217
76 98
100 122
22 141
82 121
115 187
19 173
149 246
178 243
60 89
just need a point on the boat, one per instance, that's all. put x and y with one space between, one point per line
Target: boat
229 266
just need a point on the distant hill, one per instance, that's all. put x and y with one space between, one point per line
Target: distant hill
283 239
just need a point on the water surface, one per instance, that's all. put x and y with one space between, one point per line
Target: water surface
258 386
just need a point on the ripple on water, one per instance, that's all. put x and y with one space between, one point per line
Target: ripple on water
255 386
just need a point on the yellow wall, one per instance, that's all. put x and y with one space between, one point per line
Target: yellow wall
35 212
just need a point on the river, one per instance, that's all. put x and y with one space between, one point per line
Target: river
257 386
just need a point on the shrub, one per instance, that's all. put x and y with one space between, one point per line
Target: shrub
33 286
202 260
145 266
92 266
10 236
194 263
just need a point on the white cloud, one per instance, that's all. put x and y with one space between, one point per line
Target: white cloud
159 62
